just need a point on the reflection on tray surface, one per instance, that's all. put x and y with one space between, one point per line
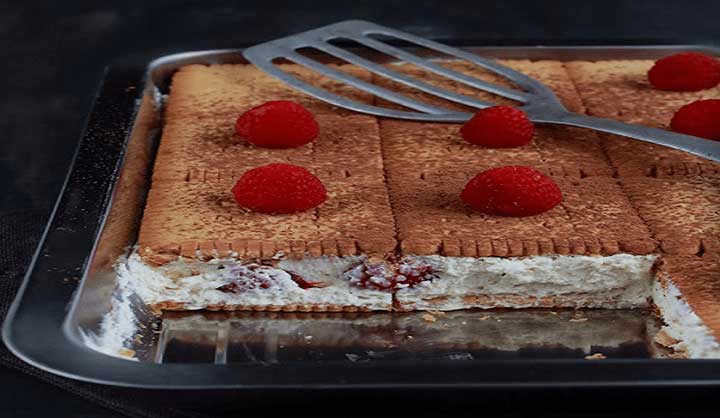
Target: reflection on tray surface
271 337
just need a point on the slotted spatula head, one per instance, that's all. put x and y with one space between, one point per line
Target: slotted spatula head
538 102
533 96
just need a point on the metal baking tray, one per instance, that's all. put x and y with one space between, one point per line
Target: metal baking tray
70 285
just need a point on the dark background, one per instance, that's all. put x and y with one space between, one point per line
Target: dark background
54 54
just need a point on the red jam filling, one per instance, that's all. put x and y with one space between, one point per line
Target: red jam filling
377 276
253 276
247 278
304 284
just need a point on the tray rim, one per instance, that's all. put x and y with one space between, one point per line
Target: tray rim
69 359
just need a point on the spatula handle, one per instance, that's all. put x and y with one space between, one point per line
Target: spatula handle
705 148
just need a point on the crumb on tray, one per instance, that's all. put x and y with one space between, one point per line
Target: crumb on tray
596 356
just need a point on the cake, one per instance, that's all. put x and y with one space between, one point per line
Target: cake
631 215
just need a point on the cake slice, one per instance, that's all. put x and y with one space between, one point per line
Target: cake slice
198 249
593 250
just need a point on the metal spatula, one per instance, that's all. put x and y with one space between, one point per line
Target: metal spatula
539 102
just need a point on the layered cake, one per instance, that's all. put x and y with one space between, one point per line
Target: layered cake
638 225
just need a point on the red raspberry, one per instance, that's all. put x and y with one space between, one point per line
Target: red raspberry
279 188
689 71
277 124
700 118
499 127
512 191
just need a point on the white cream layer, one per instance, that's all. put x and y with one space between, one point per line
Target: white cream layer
196 287
682 323
616 281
